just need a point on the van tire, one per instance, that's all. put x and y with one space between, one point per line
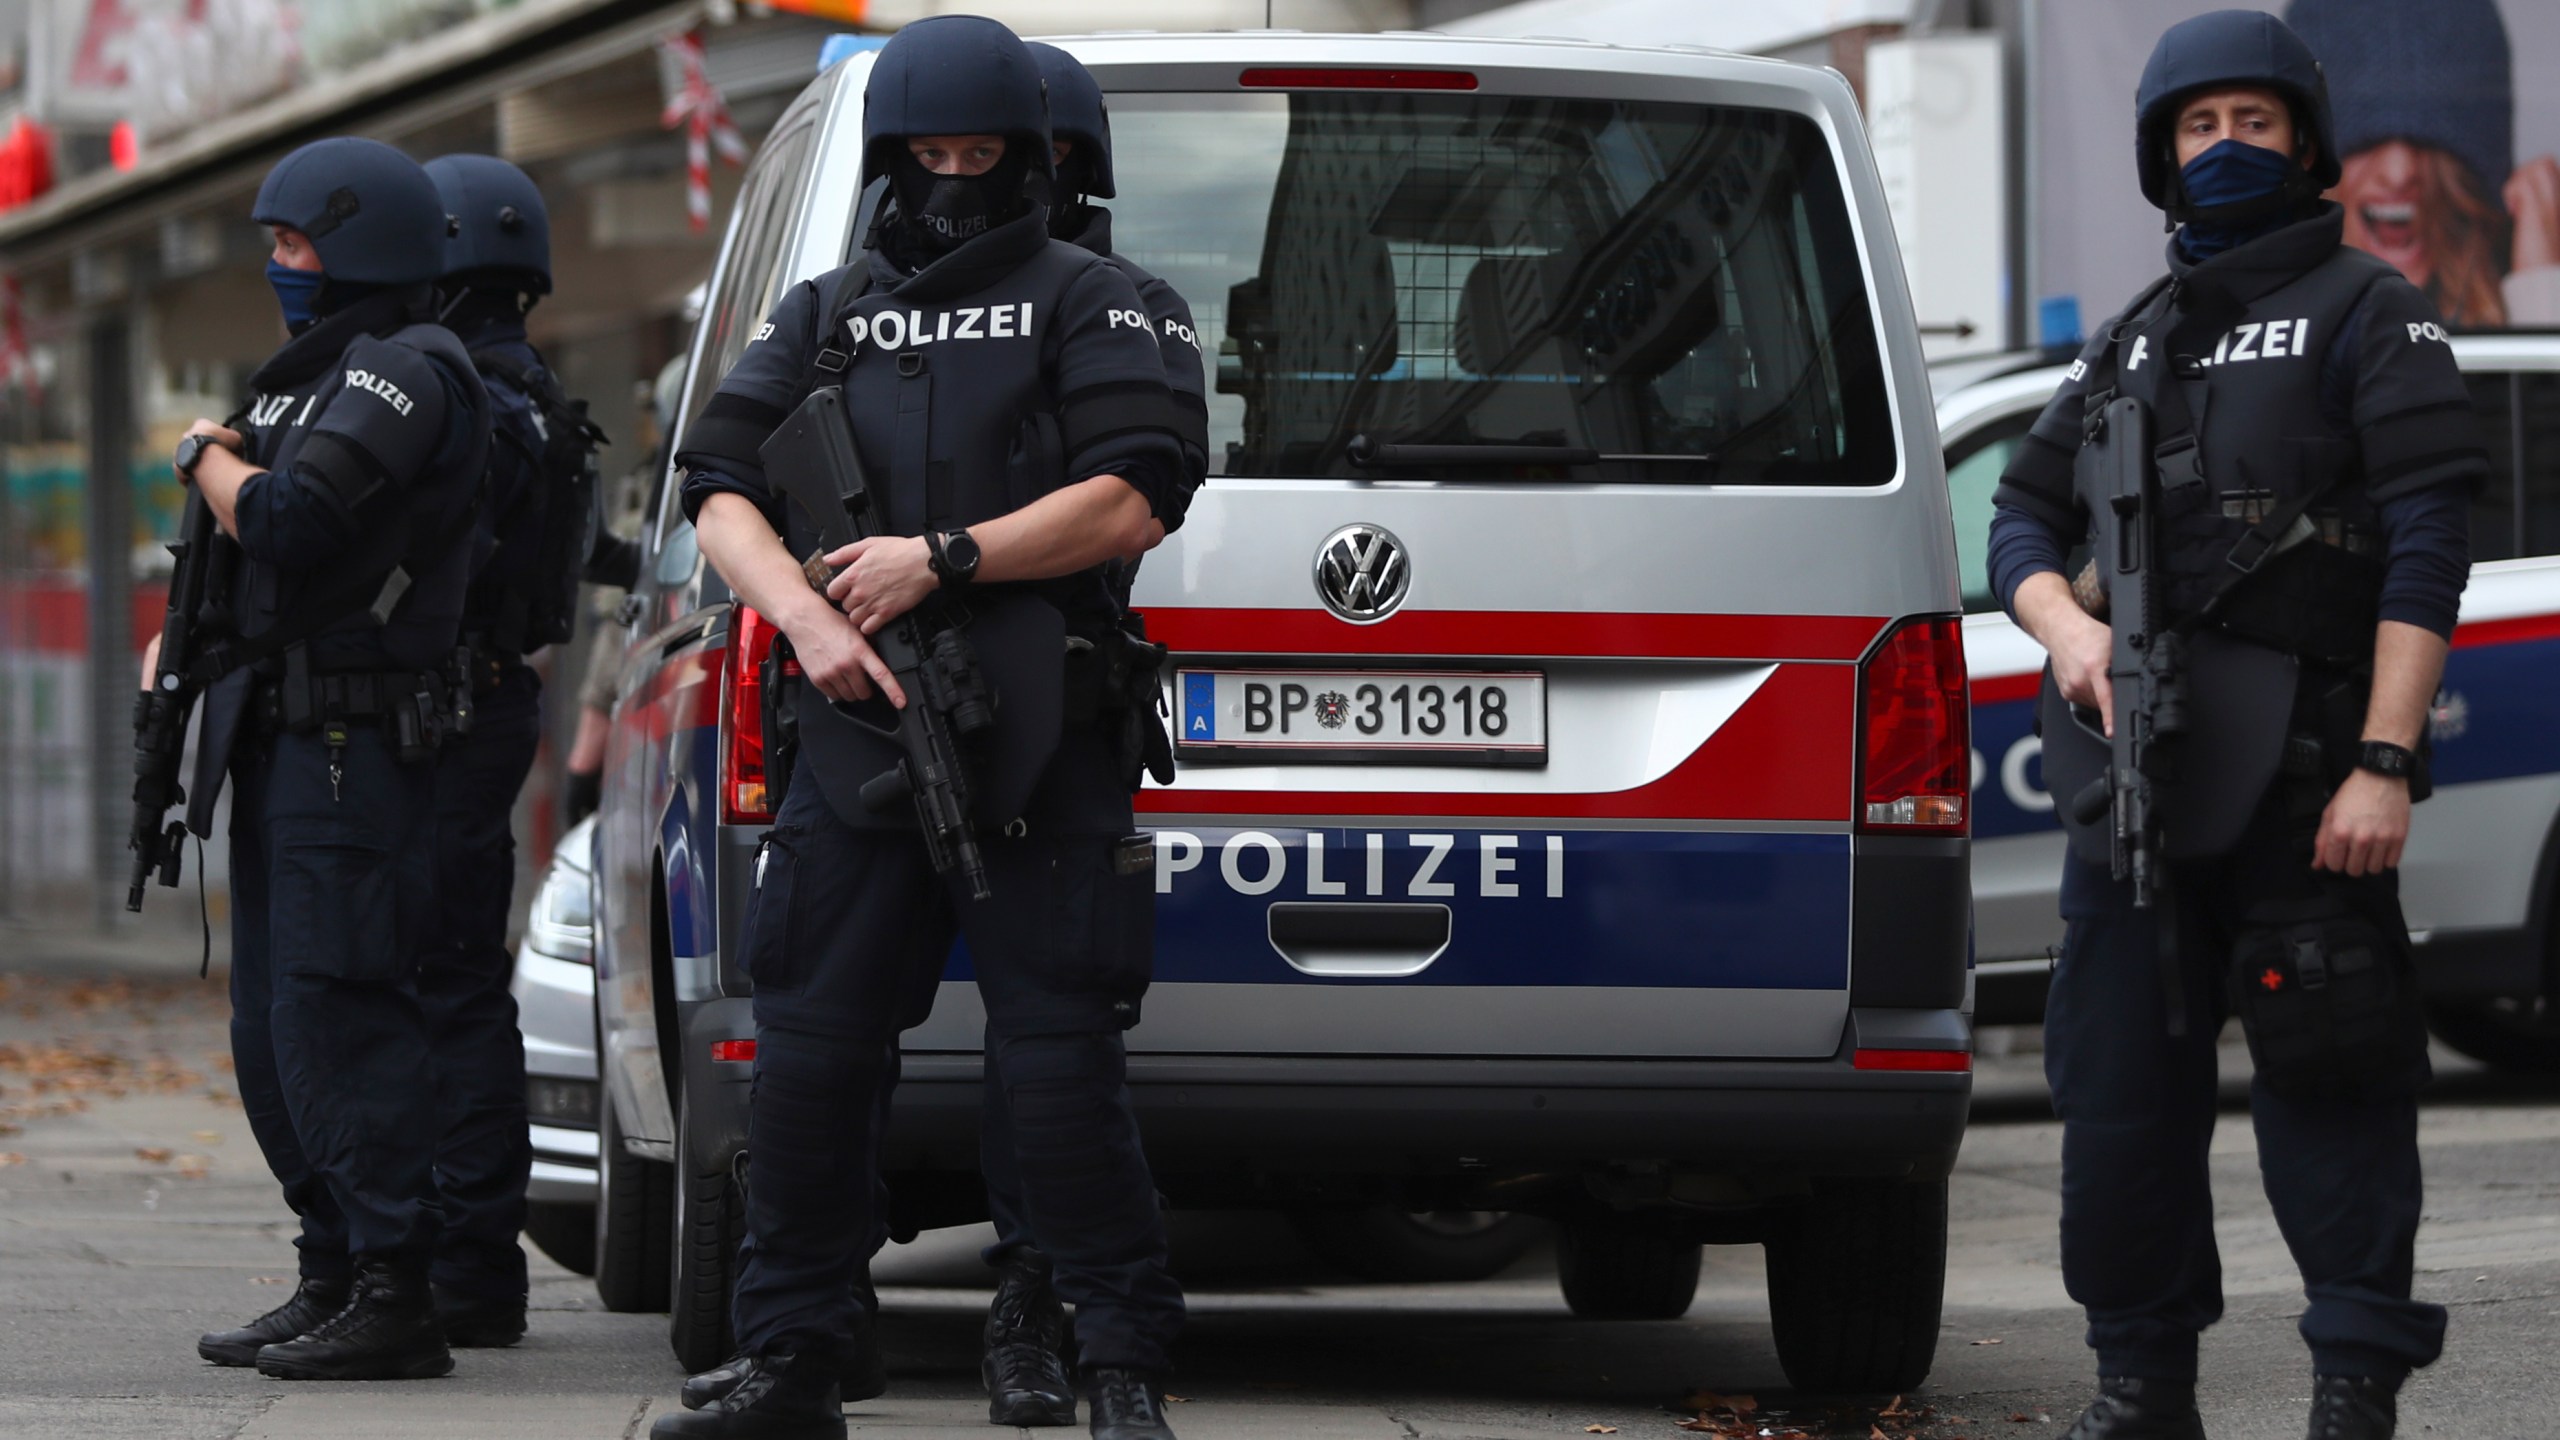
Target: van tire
710 1221
633 1199
1857 1279
2520 1036
1618 1267
565 1231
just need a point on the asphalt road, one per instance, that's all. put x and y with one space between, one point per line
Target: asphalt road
134 1213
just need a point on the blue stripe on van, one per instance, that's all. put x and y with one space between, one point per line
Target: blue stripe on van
1579 907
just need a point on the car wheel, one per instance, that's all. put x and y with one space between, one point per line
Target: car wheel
565 1232
2522 1035
710 1221
1857 1277
633 1197
1385 1243
1619 1267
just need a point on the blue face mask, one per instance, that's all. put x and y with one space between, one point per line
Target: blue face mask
297 293
2235 171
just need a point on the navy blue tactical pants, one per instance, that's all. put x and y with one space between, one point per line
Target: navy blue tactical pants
845 940
2137 1110
330 892
483 1156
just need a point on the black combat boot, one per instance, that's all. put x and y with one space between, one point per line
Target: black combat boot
2130 1408
2350 1407
312 1302
862 1375
1127 1405
781 1396
1024 1365
470 1324
386 1331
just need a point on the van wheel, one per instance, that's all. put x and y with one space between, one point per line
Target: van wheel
2521 1035
565 1232
1393 1245
1857 1276
710 1221
1617 1267
633 1196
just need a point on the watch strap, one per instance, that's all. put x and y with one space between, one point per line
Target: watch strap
2384 758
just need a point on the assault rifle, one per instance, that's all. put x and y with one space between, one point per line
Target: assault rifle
811 458
199 595
2147 673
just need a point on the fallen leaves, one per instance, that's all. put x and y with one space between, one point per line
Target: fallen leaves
1993 1340
11 1157
1596 1428
154 1154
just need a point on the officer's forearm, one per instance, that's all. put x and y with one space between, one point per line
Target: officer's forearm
2408 665
2046 608
1066 530
758 567
219 475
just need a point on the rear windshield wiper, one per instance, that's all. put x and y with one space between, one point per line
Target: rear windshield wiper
1372 455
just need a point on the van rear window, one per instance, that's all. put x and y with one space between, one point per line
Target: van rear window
1615 291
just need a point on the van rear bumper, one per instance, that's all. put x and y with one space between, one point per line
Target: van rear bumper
1284 1115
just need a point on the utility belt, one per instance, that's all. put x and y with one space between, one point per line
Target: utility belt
416 707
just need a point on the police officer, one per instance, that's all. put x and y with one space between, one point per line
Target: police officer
348 492
2314 452
1049 449
1024 1366
497 266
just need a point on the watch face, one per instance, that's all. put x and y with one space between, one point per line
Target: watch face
963 551
190 450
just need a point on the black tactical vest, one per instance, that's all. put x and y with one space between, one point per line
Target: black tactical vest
2234 386
955 419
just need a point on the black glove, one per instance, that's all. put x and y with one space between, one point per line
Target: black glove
579 794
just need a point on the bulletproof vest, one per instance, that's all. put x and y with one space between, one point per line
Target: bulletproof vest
541 526
2234 387
956 424
421 621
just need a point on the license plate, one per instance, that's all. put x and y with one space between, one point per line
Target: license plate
1455 717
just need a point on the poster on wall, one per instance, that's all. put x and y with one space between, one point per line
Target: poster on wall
2448 119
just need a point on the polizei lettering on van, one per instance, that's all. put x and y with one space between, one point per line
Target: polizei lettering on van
1257 862
373 384
907 329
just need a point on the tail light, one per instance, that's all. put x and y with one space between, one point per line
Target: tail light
1915 766
1348 78
744 798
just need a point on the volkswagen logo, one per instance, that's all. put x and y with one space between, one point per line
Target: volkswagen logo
1362 573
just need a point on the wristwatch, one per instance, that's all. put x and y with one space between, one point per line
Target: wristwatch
190 450
2383 758
955 556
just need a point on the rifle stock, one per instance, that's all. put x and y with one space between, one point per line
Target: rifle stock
811 459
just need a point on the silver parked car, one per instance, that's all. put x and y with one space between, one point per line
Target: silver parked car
555 990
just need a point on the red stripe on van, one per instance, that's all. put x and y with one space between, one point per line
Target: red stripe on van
2506 632
1998 688
1785 755
1516 633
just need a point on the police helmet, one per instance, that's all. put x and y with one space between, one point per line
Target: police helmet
504 225
371 213
2228 49
954 75
1077 113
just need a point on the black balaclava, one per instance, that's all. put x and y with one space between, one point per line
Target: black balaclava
939 213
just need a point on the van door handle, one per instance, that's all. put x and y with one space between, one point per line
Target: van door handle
1358 941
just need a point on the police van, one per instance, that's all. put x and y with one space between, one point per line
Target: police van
2483 863
1571 815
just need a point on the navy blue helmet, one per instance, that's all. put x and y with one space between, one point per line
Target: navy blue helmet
954 75
503 223
1077 113
2224 50
371 213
